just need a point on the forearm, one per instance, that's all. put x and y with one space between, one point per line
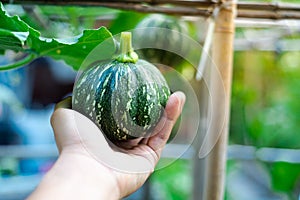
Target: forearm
76 177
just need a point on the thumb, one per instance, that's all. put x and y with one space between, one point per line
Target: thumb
64 128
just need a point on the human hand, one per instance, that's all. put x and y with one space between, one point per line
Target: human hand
113 171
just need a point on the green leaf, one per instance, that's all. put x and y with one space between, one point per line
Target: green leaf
125 21
285 176
12 23
76 49
91 45
173 180
13 31
13 41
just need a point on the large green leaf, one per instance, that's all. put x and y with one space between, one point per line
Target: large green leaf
16 35
76 49
12 23
13 31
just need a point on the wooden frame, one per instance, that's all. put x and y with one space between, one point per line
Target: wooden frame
184 7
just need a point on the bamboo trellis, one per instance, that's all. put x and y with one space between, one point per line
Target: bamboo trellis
222 53
185 7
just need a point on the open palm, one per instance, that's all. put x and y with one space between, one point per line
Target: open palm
127 165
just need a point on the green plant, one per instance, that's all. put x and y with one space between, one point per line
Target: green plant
18 36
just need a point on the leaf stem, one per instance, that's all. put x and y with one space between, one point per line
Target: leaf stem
19 63
127 52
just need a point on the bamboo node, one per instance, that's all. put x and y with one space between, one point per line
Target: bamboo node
228 5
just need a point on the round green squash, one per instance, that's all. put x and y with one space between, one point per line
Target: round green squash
124 96
169 45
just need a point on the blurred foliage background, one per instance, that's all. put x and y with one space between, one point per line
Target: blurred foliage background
265 107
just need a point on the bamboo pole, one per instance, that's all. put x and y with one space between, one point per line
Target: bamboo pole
188 3
202 8
222 56
274 15
268 6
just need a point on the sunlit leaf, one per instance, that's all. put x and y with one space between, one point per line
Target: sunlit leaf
16 35
72 50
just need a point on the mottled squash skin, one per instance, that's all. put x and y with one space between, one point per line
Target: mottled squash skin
125 99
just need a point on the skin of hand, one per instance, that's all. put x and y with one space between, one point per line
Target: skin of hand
78 175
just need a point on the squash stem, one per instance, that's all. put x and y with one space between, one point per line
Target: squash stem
127 52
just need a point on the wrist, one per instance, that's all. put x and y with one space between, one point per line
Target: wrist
76 176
